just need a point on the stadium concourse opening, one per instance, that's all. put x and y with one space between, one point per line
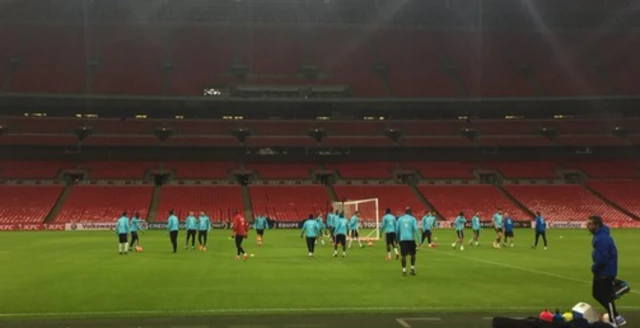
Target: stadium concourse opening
309 163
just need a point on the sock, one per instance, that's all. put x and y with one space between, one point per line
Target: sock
388 254
344 253
310 254
119 248
359 242
413 268
404 270
322 240
395 250
350 242
126 247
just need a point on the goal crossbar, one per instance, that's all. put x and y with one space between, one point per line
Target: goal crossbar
369 215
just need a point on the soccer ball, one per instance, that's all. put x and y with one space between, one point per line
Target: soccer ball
605 317
139 249
370 244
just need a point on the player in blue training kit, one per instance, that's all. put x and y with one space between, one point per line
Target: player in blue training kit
135 225
389 228
428 222
541 230
497 225
312 230
191 225
122 230
331 219
460 221
340 235
475 225
204 226
508 230
320 222
408 232
354 227
173 225
261 224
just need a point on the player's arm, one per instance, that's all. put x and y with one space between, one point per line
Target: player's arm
304 227
416 231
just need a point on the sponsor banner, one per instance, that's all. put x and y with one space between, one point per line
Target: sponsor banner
90 226
289 224
31 227
54 226
8 227
624 225
565 224
450 224
163 225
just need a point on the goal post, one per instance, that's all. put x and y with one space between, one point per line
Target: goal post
369 215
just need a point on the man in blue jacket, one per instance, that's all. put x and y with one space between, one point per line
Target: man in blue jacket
604 268
541 231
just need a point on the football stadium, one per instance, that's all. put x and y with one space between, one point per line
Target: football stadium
319 163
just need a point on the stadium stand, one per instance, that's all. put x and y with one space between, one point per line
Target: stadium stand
395 197
119 170
441 170
32 169
530 170
625 193
290 203
450 200
201 170
564 202
27 203
282 171
104 203
219 202
368 170
604 169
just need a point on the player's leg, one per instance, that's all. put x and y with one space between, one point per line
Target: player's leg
200 239
343 242
120 247
537 238
412 252
388 240
358 238
352 234
461 236
205 237
513 237
404 251
428 233
174 240
544 239
335 246
395 244
259 233
603 292
424 237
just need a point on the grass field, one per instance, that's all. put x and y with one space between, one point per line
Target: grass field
80 274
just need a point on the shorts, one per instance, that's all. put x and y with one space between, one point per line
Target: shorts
460 233
341 239
498 230
508 234
134 235
122 237
391 238
408 247
260 232
476 233
355 234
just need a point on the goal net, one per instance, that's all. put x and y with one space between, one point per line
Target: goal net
369 216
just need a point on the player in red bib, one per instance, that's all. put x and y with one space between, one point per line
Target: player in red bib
240 230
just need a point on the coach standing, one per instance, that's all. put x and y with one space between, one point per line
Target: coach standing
604 268
173 224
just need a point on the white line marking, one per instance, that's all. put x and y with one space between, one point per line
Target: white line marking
305 325
403 321
524 269
491 318
337 310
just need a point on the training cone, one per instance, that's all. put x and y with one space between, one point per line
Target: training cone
546 316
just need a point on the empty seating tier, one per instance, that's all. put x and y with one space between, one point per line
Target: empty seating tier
291 203
219 202
27 204
625 193
394 197
94 203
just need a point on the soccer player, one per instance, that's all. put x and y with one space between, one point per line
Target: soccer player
407 231
122 230
330 219
312 229
204 226
135 225
541 230
604 268
240 230
340 235
389 227
354 228
428 221
191 224
320 222
475 225
173 225
260 225
508 230
497 225
460 221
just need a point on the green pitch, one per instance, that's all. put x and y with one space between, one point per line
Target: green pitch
63 274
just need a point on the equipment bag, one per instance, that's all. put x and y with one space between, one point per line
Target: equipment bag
620 287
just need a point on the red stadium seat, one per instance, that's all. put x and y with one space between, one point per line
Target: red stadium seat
219 202
104 203
27 203
290 203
